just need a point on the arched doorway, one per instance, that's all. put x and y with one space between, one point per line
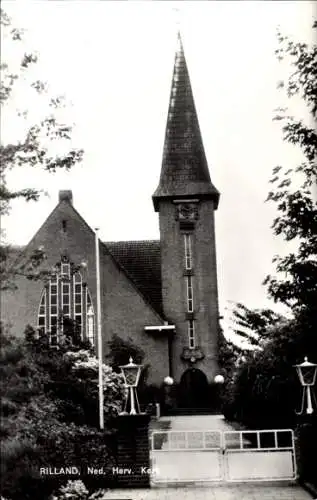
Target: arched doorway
194 391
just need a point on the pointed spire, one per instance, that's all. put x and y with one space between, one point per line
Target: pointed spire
184 167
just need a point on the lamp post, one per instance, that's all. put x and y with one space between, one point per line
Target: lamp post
168 388
99 336
307 376
131 374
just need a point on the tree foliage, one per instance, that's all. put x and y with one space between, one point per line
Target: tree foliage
44 143
120 351
265 390
297 204
253 325
49 413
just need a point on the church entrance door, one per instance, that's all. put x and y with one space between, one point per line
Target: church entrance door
194 390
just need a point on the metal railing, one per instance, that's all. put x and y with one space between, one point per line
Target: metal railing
189 440
267 439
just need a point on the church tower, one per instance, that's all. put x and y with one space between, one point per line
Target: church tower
186 201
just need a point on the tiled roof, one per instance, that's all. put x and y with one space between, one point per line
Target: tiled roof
141 260
184 167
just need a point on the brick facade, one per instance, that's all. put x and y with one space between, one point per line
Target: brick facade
124 311
204 275
143 284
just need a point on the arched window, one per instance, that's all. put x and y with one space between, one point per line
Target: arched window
66 296
41 317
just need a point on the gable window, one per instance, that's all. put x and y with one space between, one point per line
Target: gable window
66 296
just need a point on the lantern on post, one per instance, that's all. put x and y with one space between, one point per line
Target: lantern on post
307 376
131 375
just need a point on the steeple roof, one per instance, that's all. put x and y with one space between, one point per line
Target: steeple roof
184 170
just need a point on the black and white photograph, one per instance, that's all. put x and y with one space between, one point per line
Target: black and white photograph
158 204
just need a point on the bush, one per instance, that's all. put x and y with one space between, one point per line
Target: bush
76 490
85 371
53 444
73 490
121 350
50 416
265 391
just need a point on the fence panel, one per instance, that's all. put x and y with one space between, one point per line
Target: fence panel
211 455
186 456
263 455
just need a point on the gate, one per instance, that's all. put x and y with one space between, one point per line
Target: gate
200 456
186 456
264 455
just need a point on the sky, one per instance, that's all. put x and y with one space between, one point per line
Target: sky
113 61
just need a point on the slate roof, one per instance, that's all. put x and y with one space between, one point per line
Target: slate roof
141 260
184 167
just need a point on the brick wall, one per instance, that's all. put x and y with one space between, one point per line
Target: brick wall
204 280
125 314
133 451
124 311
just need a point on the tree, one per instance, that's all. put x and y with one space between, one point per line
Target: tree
121 350
34 148
253 325
297 206
266 391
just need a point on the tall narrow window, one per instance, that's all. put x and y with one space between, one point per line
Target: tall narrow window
191 334
78 309
190 298
53 310
41 318
188 251
65 297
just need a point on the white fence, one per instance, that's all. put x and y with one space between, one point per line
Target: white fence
259 455
186 456
197 456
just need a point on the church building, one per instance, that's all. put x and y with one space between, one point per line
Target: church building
161 294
